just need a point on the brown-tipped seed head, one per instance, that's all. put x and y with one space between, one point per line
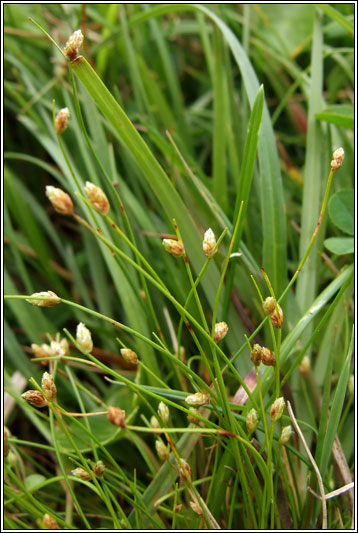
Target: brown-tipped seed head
45 303
98 469
35 398
84 338
48 522
61 120
162 450
60 200
184 470
129 356
60 349
163 412
97 198
209 243
277 409
81 473
175 248
268 305
73 45
117 416
196 508
337 159
267 357
285 435
221 329
48 386
197 399
251 421
42 351
255 354
277 319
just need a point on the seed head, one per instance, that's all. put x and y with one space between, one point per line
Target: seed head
81 473
60 349
60 200
197 399
255 354
196 508
117 416
209 243
42 351
277 319
221 329
154 422
129 356
98 199
163 413
45 303
251 421
267 357
305 366
337 159
84 338
162 450
73 45
269 307
184 470
61 120
48 386
285 435
35 398
277 409
48 522
175 248
98 469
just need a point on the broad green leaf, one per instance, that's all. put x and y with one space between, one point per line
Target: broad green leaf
340 245
340 115
272 201
307 281
341 210
335 15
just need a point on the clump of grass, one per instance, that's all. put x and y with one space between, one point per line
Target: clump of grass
179 377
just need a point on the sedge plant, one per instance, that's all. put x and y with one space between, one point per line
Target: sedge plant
174 377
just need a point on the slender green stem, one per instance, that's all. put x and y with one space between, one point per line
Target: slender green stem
299 268
197 281
48 36
62 467
82 407
83 461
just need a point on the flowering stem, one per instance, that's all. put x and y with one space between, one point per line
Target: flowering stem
200 275
48 36
117 196
200 307
224 269
59 140
160 286
299 268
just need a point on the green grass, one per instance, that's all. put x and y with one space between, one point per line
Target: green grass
187 117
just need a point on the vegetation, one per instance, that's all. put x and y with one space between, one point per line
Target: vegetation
175 216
